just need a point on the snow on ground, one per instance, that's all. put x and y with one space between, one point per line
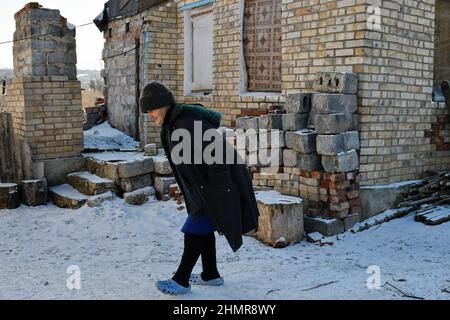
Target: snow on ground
105 137
122 249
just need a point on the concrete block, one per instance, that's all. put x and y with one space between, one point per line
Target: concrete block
304 141
326 103
280 222
341 162
309 162
246 123
289 139
269 139
270 121
326 226
332 144
56 170
351 220
298 103
290 158
336 82
295 121
333 123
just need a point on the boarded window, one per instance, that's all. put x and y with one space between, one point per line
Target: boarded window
442 42
202 51
262 44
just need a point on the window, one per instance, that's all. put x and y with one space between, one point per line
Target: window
442 42
198 55
202 52
109 32
127 27
262 45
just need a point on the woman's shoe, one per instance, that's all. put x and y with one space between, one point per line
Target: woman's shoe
171 287
196 279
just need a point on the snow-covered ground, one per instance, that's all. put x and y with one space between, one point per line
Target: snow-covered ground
122 249
105 137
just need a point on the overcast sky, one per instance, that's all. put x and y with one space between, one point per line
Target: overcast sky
89 38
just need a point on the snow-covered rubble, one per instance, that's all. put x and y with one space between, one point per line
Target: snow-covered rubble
105 137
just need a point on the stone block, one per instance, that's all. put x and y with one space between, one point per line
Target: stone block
333 123
97 200
280 221
34 192
151 149
137 182
162 165
295 121
270 121
341 162
162 184
326 103
139 196
336 82
298 103
304 141
136 167
333 144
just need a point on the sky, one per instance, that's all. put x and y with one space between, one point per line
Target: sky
89 39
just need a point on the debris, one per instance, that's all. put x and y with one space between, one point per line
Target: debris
403 294
320 285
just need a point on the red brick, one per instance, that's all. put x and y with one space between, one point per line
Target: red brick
355 202
339 185
355 209
442 119
353 194
428 133
316 174
323 191
314 204
337 214
334 177
305 173
435 127
325 184
337 199
336 192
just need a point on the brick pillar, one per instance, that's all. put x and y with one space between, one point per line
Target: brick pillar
45 96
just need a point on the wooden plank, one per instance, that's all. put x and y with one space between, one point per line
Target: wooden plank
435 215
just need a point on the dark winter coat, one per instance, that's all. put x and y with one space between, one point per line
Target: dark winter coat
225 190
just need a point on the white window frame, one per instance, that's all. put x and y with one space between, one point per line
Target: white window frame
188 47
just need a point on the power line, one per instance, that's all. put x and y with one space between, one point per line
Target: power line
122 53
80 26
43 34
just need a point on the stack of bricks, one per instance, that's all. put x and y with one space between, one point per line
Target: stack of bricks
337 142
319 151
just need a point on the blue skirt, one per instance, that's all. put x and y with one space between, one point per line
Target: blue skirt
199 225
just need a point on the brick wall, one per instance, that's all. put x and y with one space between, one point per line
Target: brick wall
442 41
47 115
157 61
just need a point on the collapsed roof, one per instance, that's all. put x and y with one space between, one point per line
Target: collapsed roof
122 8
